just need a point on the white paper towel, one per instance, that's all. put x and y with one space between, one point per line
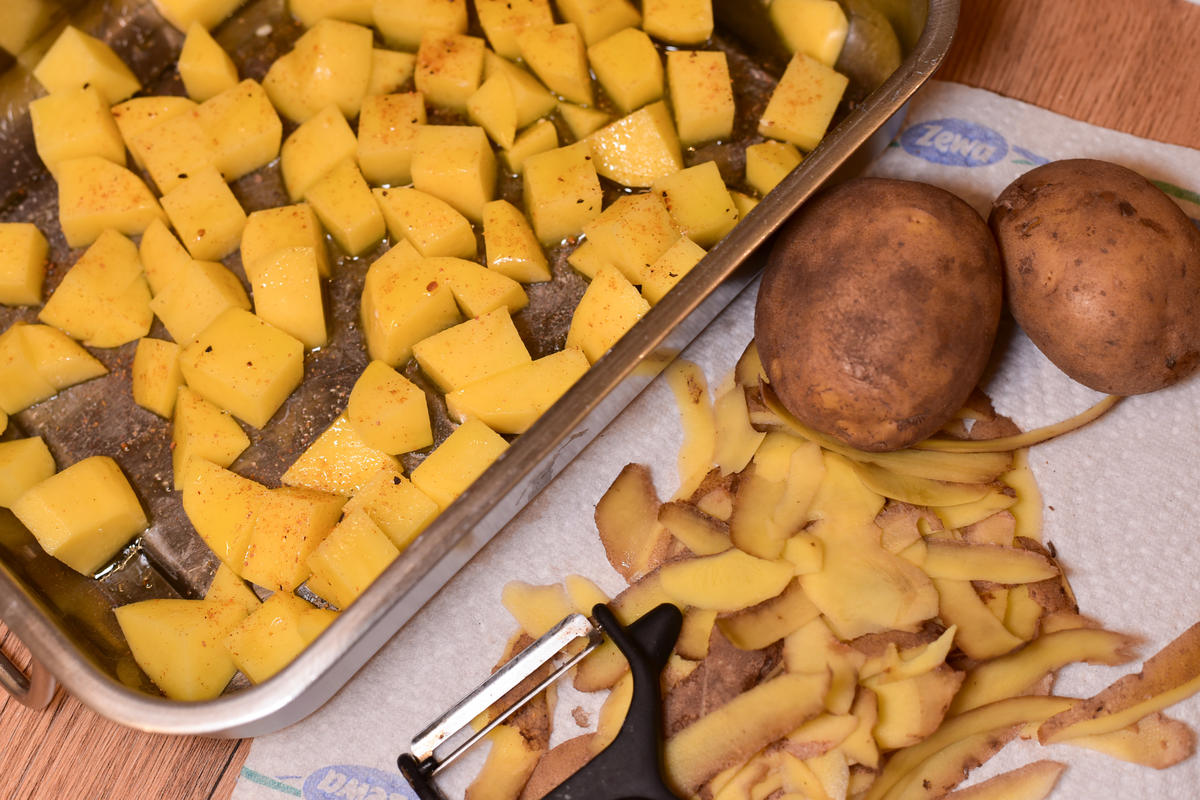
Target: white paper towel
1121 502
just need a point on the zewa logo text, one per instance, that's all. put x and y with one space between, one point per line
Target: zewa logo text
954 143
353 782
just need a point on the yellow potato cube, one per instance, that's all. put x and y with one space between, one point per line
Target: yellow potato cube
155 375
338 461
24 463
103 299
287 294
205 213
390 71
25 21
562 191
352 556
75 123
669 268
23 251
182 13
329 65
140 113
228 587
699 203
95 194
512 400
403 23
639 148
20 384
77 59
455 163
266 641
403 303
221 506
803 102
347 209
472 350
744 202
449 68
609 307
455 464
206 69
633 232
273 229
289 523
57 357
629 68
493 108
244 365
429 224
599 19
163 258
174 149
768 163
316 147
558 56
815 27
477 289
387 134
539 137
510 245
588 259
531 99
202 431
83 515
678 21
582 121
310 12
202 292
178 644
400 509
388 411
503 21
243 129
701 95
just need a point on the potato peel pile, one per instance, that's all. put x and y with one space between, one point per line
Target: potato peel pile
856 625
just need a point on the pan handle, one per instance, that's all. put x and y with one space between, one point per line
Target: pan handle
34 690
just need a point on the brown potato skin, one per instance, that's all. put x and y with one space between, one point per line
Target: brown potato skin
877 311
1102 271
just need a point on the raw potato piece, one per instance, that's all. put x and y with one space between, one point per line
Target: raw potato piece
698 202
632 233
803 103
329 65
429 224
352 556
139 114
669 268
287 294
206 214
221 506
163 258
455 163
493 108
768 163
403 23
266 641
310 12
610 306
390 71
531 99
205 68
201 292
388 411
701 95
346 208
455 463
449 68
337 462
599 19
562 192
503 21
182 13
387 131
472 350
202 430
558 56
815 27
24 463
95 195
173 149
477 290
74 123
512 400
156 376
629 69
313 149
288 525
273 229
510 245
402 304
638 149
678 21
23 251
400 509
77 59
243 127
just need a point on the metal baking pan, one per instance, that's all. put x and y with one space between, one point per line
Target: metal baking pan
65 619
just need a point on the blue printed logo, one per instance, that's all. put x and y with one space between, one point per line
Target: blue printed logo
954 143
352 782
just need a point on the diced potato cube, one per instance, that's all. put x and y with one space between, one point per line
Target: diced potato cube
310 12
244 365
768 163
75 123
744 202
179 644
388 411
329 65
639 148
206 69
287 294
629 68
562 191
669 268
539 137
455 464
83 515
206 215
588 259
289 523
24 463
558 56
531 99
346 208
316 147
243 128
202 292
20 384
815 27
174 149
429 224
387 133
582 121
25 21
140 113
678 21
512 400
609 307
77 59
493 108
95 194
182 13
599 19
403 303
503 21
163 258
221 506
155 375
477 289
201 430
272 229
338 462
455 163
351 557
103 299
404 22
449 68
274 634
472 350
803 102
390 71
699 202
400 509
510 245
228 587
57 357
701 95
23 251
632 232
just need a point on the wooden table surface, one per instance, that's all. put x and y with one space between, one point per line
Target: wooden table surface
1125 65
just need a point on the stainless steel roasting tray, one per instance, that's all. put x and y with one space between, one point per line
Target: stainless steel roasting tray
66 619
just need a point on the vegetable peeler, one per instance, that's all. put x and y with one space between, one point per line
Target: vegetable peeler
630 767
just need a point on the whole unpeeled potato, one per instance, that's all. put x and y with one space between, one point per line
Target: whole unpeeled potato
1102 271
878 310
